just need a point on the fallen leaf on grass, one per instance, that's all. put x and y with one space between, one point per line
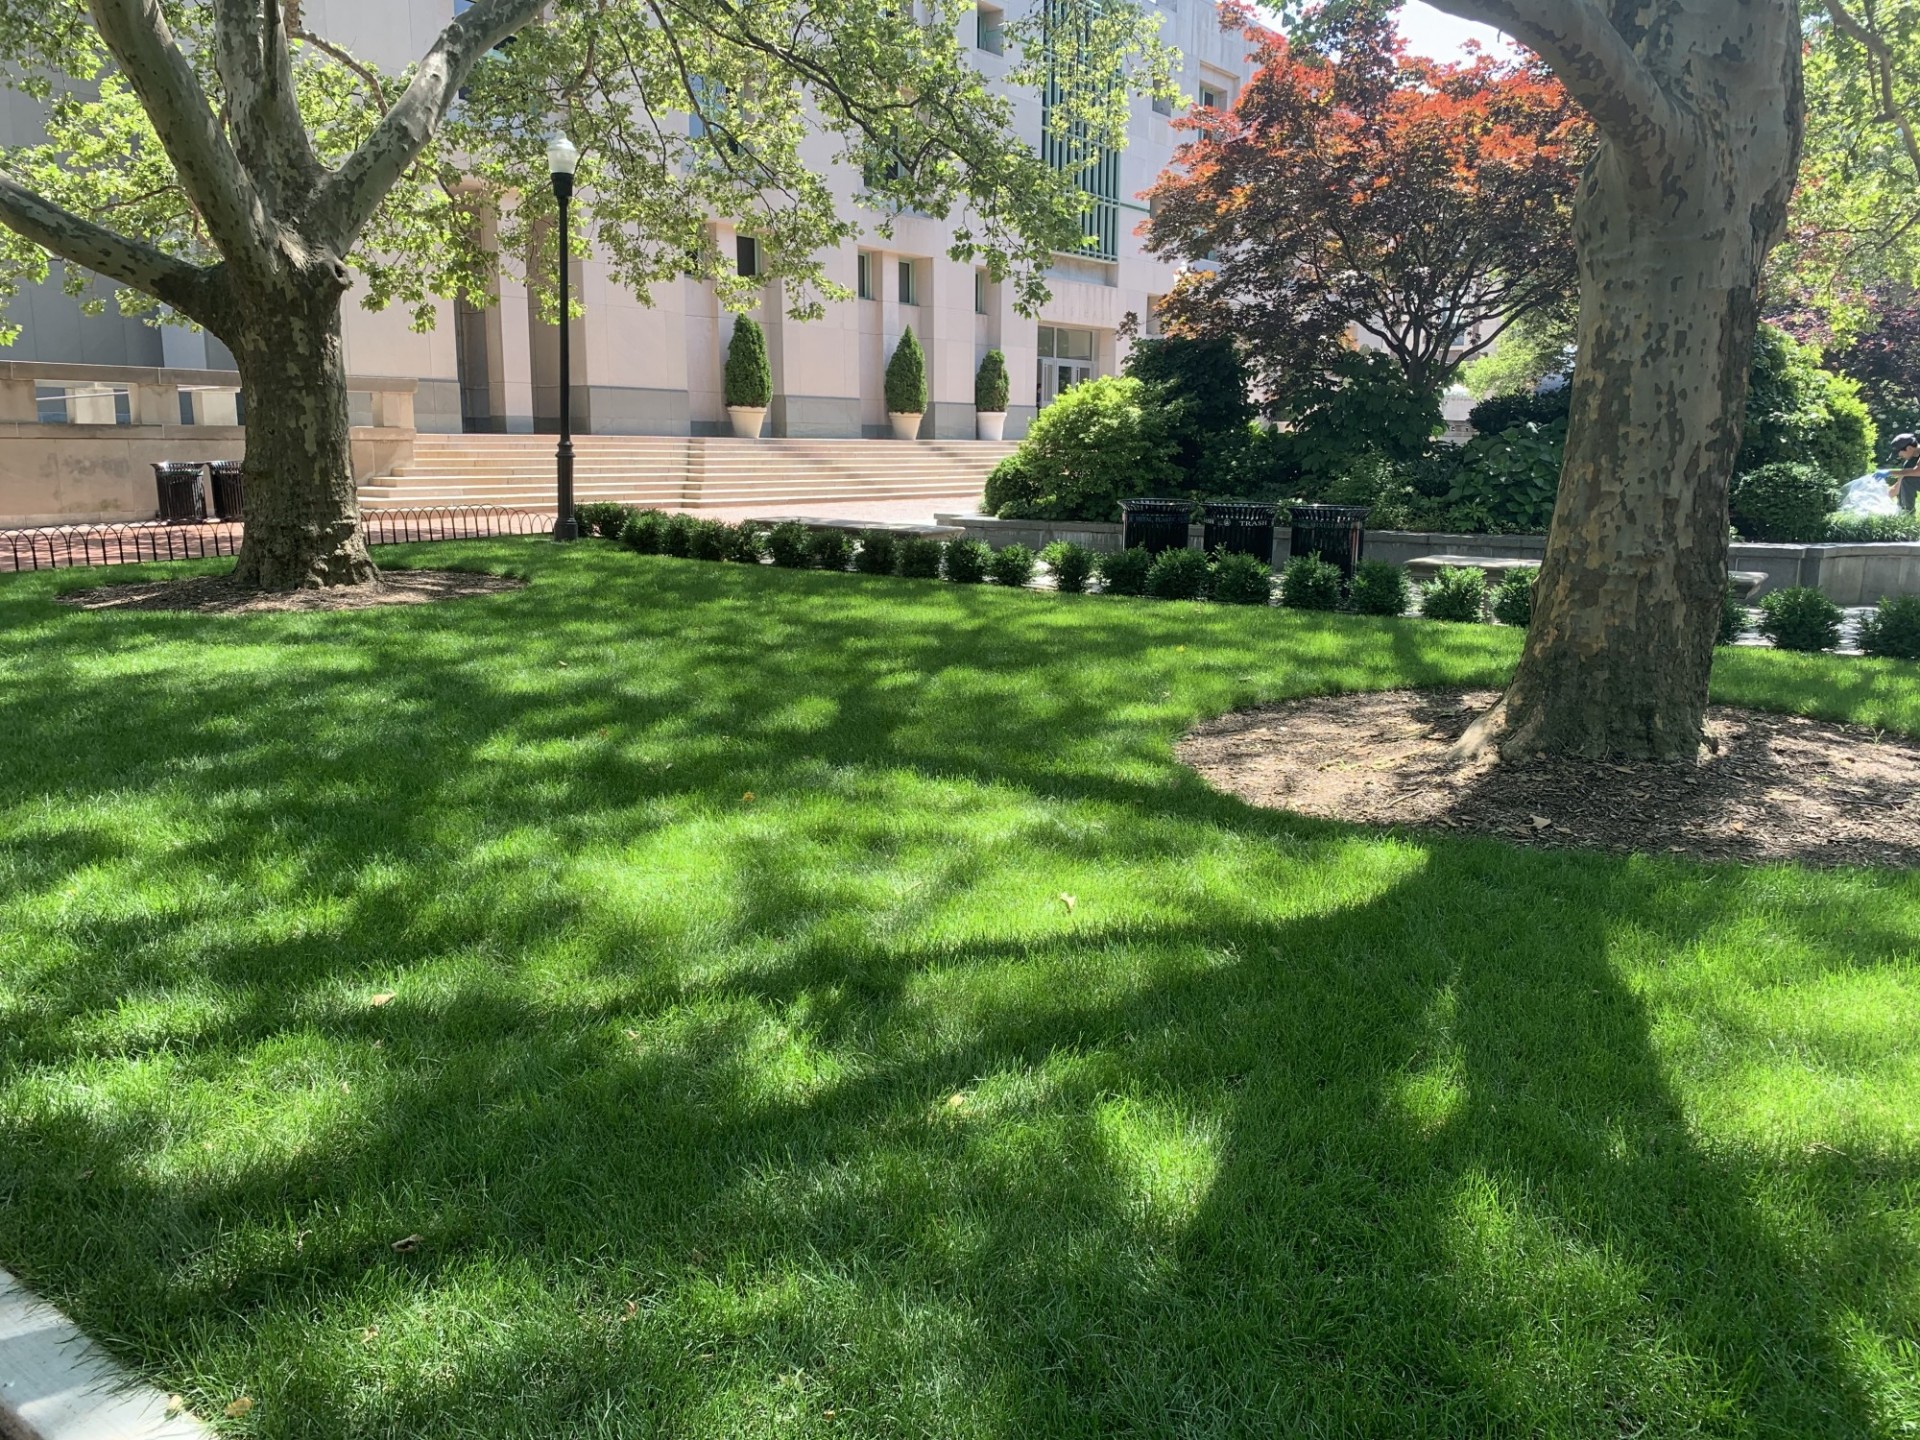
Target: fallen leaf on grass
1066 900
370 1333
633 1309
239 1408
384 997
956 1100
1540 822
176 1403
409 1244
748 796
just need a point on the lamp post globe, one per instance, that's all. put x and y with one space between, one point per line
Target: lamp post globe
562 157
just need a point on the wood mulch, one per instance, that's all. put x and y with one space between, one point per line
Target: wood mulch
1776 788
218 595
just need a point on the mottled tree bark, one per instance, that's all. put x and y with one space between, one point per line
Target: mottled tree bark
1699 106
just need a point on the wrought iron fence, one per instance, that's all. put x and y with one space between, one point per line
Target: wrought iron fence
60 547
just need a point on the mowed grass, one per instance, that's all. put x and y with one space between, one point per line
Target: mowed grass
821 1007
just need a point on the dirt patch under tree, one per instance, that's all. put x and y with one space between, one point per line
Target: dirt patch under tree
1771 787
218 595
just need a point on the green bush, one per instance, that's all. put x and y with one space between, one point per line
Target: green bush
1455 594
1379 588
1098 444
1499 413
1310 583
1512 477
1513 597
708 540
790 545
907 377
1799 618
1799 413
749 379
1242 580
1012 565
879 553
920 557
1893 630
1861 529
990 387
676 536
1124 572
1178 574
1784 502
1199 387
641 533
1733 615
830 549
965 562
1071 565
605 518
746 543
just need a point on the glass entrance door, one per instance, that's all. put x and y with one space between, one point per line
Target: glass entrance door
1066 360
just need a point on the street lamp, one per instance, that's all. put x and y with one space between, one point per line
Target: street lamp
562 157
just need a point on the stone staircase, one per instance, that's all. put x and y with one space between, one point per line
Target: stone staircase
683 472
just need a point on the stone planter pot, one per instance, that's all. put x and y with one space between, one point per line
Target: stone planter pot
747 420
905 426
990 424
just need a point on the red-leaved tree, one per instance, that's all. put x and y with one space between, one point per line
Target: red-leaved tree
1428 204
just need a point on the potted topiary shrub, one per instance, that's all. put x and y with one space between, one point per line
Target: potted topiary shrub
907 387
749 382
990 397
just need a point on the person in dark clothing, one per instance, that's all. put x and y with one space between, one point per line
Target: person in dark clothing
1904 479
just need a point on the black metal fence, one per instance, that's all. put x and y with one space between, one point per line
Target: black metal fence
61 547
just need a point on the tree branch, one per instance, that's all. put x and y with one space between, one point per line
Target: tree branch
137 34
1864 35
187 288
250 49
1596 64
347 200
297 30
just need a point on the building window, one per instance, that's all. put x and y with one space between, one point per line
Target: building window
1162 105
746 255
1066 360
989 29
979 292
1209 97
863 276
909 288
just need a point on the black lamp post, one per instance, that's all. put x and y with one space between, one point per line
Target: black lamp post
562 156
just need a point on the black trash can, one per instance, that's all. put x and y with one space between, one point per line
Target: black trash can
182 501
1336 533
229 491
1156 524
1241 528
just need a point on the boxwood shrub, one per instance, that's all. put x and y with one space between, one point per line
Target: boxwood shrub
1071 564
789 543
965 561
1733 616
1242 580
830 549
1513 597
1799 618
1310 583
1012 565
1124 572
1893 631
641 533
879 553
1379 588
920 557
1455 594
1178 574
676 536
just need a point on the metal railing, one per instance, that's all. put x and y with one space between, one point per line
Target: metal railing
62 547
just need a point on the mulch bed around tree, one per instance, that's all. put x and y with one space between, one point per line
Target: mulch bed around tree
218 595
1777 788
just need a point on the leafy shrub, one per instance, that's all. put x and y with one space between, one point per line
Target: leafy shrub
676 536
1512 477
1455 594
1783 502
749 379
641 533
708 540
1098 444
1011 565
1733 616
1178 574
605 518
1513 597
1800 413
920 557
879 553
1359 405
1499 413
1893 630
1861 529
1379 588
1199 387
830 549
1310 583
990 387
746 543
1799 618
790 545
965 561
1242 580
907 377
1124 572
1071 565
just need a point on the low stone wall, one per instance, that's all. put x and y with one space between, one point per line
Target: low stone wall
1848 574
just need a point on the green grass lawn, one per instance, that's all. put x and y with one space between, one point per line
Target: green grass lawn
746 1073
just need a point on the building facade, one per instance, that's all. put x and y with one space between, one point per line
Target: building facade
656 369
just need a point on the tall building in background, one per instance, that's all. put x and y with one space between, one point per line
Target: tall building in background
656 370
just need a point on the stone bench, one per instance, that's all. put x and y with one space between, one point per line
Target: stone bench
892 527
1426 567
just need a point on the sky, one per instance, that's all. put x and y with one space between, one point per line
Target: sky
1438 36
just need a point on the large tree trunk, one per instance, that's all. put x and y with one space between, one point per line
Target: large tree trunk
303 511
1673 221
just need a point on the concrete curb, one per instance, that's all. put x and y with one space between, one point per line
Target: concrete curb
55 1384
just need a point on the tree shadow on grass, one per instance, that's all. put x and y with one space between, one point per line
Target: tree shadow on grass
1316 1135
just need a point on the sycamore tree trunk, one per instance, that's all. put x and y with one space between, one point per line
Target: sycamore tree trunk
303 511
1699 106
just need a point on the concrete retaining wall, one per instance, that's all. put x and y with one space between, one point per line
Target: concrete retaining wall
1848 574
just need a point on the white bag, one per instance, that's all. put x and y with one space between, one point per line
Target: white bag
1868 496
